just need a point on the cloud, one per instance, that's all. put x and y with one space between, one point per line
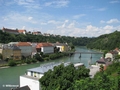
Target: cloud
108 27
113 21
57 3
101 9
79 16
115 1
29 3
102 21
30 18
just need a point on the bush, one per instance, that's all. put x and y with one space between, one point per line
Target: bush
33 60
28 61
46 58
12 63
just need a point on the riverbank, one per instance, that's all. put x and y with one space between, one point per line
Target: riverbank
43 58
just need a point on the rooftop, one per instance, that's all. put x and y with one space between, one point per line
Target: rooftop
23 44
39 45
44 68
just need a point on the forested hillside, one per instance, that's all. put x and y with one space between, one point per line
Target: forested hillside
103 42
80 41
106 41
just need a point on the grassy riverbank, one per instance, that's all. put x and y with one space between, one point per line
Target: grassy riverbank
36 59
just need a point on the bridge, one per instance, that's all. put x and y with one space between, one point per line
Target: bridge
78 52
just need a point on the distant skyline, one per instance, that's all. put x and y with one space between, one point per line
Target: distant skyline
79 18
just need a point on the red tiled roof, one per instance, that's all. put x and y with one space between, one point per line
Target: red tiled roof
23 44
39 45
10 30
21 31
13 30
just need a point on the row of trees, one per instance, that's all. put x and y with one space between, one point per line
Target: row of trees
80 41
69 78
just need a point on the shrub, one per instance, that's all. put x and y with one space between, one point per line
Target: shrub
33 60
46 58
12 63
28 61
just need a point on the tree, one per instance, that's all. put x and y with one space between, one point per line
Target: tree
38 57
63 77
12 63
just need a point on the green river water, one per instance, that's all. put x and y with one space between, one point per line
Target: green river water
9 77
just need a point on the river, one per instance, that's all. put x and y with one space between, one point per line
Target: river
9 77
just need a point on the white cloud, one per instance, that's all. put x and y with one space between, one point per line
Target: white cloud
57 3
108 27
91 28
43 23
52 21
29 3
78 16
30 18
102 21
115 1
113 21
101 9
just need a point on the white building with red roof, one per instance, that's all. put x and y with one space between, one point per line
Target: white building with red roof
45 48
26 48
14 31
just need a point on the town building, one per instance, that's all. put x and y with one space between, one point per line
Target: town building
104 62
26 48
63 47
45 48
13 31
11 52
36 33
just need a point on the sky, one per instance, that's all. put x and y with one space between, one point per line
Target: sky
78 18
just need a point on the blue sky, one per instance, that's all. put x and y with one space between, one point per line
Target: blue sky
80 18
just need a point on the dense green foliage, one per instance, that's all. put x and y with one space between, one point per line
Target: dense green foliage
104 80
12 63
106 42
80 41
69 78
63 77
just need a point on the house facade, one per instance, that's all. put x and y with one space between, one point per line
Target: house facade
26 48
34 51
45 48
11 52
62 46
109 56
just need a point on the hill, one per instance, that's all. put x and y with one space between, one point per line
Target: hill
106 41
103 42
77 41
